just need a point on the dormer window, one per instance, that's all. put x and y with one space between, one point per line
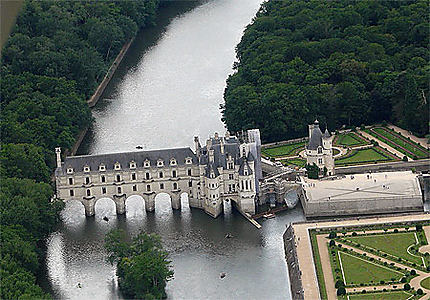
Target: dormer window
245 171
102 167
188 160
69 170
132 165
86 169
146 163
160 163
173 162
117 166
212 175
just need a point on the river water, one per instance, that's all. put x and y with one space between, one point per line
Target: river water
167 90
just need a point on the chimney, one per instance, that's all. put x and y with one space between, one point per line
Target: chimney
222 146
209 143
211 156
197 145
58 153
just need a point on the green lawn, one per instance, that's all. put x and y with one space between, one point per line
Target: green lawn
398 295
284 150
426 283
294 161
394 243
369 155
349 139
399 142
358 271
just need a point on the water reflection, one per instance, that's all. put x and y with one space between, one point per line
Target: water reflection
170 95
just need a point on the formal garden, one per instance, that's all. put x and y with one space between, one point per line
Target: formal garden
350 139
289 149
398 142
356 149
365 156
373 262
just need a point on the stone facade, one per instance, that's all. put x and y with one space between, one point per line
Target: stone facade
319 149
225 169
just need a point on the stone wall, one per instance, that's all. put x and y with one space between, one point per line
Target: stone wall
365 206
420 165
293 264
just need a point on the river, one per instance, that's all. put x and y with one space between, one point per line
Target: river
167 90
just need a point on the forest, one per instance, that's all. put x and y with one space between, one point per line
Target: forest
345 63
57 54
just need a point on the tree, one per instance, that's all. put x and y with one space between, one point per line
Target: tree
341 291
312 170
23 161
143 268
407 287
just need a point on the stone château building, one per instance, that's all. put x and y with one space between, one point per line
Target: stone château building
319 149
227 168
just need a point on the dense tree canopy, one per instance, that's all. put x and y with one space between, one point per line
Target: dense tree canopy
143 267
343 62
57 54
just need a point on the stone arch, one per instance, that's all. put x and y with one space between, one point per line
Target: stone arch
175 199
135 203
105 206
75 205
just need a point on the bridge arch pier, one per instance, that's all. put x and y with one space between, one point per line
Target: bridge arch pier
89 205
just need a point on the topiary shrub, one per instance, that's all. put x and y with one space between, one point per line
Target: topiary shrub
405 158
407 287
332 235
331 243
339 283
341 291
413 272
419 227
420 291
354 233
396 230
403 280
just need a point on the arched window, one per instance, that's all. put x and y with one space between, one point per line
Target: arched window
118 178
87 180
175 186
72 193
174 173
103 178
119 190
189 172
160 174
319 150
148 187
70 180
88 192
133 176
103 190
147 175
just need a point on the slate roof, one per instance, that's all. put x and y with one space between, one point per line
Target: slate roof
326 134
243 163
94 161
316 139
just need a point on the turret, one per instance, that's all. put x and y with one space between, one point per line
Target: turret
311 128
58 153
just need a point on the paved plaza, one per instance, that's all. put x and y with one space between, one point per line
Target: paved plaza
358 186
